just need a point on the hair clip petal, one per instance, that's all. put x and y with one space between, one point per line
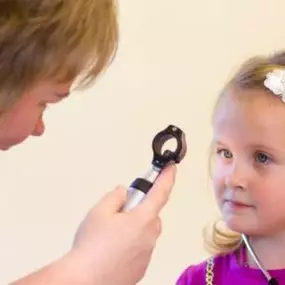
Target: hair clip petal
275 82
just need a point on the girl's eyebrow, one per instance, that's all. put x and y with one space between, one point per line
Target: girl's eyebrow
217 140
259 146
269 148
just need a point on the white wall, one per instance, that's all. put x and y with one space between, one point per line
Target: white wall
173 54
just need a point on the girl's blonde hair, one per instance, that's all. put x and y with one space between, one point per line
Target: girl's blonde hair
53 39
251 75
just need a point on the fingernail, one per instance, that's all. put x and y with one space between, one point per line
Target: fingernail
171 168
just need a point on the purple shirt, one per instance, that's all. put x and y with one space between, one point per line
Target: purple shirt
228 270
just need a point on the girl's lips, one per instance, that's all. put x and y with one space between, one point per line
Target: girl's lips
236 205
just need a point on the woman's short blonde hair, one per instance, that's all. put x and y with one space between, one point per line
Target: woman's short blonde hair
54 39
250 76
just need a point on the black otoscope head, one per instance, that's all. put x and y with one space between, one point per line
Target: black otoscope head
161 160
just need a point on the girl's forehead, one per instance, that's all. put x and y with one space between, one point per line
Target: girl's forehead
250 114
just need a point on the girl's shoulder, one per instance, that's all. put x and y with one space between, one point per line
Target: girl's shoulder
193 273
204 272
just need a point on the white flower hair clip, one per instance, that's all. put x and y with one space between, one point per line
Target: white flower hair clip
275 82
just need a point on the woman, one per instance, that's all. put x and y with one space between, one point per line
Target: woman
45 45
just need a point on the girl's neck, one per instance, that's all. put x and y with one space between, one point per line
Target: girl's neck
269 250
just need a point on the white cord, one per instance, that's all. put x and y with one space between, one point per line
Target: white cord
256 260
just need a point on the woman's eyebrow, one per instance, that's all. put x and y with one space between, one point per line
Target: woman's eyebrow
62 95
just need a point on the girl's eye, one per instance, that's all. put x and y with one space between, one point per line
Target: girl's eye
225 153
263 158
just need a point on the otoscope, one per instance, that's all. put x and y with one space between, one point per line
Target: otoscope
142 185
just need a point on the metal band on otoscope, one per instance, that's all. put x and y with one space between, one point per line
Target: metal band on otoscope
142 184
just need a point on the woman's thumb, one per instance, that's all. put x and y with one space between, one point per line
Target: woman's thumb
113 201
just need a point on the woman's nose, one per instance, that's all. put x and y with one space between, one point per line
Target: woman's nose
39 128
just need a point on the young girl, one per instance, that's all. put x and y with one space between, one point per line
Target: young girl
248 179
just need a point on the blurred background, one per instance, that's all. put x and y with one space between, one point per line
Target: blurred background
173 58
